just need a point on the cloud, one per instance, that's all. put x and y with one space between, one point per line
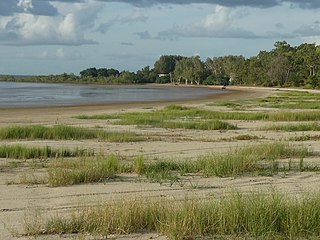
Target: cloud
104 27
36 7
58 54
219 24
126 43
67 28
134 17
144 35
46 7
308 30
310 4
226 3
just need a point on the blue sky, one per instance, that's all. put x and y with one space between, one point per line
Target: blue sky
56 36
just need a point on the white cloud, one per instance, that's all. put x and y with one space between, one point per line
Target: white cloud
219 24
67 28
135 17
61 53
26 5
36 7
309 30
220 19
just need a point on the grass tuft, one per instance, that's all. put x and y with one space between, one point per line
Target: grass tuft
256 159
253 215
174 116
22 152
294 127
63 132
281 100
86 170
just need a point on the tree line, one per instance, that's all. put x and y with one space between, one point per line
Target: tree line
284 66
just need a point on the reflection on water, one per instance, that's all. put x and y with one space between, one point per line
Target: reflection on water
14 94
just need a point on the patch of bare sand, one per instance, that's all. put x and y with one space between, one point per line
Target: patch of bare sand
17 200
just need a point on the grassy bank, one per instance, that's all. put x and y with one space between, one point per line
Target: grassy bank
253 215
63 132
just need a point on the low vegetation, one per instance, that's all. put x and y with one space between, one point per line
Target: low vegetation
194 118
294 127
306 137
63 132
86 170
23 152
262 159
281 100
255 215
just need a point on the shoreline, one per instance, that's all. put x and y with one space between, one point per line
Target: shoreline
65 114
231 93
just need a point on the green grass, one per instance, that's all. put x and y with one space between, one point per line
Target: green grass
63 132
249 160
256 159
281 100
306 137
263 159
23 152
85 170
255 215
194 118
294 127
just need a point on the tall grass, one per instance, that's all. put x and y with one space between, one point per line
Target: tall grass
254 215
63 132
85 170
23 152
249 160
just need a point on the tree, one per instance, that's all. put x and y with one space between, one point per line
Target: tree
89 72
145 75
166 64
279 69
190 69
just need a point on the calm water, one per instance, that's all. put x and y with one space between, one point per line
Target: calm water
38 94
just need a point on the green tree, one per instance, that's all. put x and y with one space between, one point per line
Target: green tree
166 64
190 69
89 72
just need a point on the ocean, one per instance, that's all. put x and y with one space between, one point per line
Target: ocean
16 94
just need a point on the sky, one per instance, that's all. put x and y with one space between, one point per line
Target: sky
66 36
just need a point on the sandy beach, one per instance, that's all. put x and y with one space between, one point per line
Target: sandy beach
18 200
